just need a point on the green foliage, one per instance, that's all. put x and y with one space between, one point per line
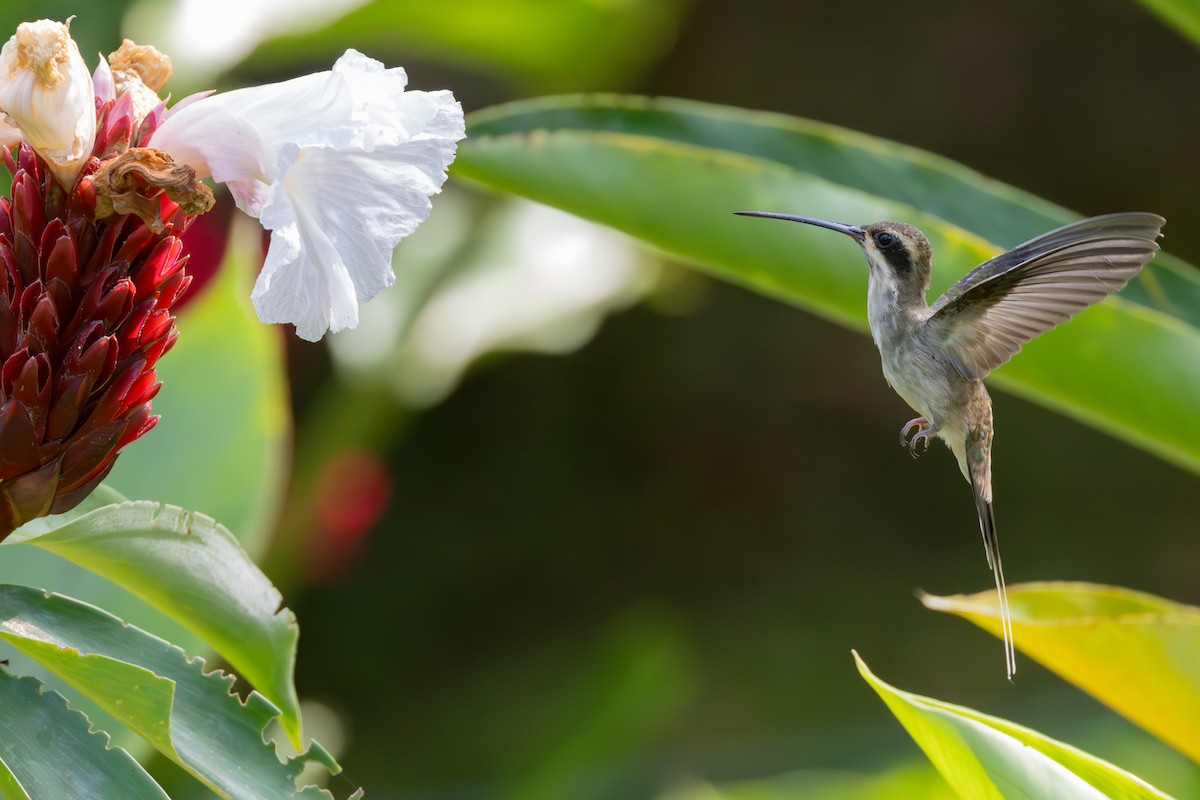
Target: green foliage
672 174
1183 15
192 570
903 783
992 759
214 589
47 750
1138 653
151 686
538 45
991 210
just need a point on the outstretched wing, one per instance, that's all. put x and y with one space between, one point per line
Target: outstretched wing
1003 303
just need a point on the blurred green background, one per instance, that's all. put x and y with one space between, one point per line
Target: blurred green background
637 570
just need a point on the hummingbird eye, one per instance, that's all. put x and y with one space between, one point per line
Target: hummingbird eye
884 240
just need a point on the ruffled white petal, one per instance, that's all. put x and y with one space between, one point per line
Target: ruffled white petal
339 165
46 91
214 141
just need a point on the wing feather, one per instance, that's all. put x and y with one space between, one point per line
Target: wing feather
1020 294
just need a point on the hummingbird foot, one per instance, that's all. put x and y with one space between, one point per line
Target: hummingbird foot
925 430
919 422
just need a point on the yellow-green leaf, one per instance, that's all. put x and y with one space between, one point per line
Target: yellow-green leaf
1135 652
989 758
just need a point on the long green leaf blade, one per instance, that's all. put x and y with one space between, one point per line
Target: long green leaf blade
47 750
545 46
994 211
1135 652
993 759
1123 367
151 686
1183 15
192 569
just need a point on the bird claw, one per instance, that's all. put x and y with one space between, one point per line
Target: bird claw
925 430
919 422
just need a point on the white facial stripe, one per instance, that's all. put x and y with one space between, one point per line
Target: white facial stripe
877 260
883 277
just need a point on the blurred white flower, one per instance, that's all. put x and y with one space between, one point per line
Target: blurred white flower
46 93
538 280
339 165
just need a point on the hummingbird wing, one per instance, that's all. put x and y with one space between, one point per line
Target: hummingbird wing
1006 301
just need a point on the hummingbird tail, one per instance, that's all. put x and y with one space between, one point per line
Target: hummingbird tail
977 463
987 523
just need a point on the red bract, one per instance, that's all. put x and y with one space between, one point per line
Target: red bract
85 312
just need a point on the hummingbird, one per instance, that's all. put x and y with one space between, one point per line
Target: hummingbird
936 356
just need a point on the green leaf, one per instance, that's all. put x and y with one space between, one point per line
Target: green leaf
672 173
151 686
34 566
1135 652
544 46
47 750
191 568
985 757
223 387
991 210
916 780
1183 15
103 495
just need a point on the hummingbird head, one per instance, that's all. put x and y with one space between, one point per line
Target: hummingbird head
898 254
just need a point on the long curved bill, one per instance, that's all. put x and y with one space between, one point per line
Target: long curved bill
853 231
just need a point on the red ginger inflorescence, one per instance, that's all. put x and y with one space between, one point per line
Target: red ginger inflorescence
85 313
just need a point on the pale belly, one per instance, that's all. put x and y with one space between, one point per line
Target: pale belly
936 391
933 388
929 385
921 374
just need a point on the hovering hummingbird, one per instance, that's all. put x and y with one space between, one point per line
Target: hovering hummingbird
935 357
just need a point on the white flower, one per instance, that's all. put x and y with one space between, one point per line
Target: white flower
339 165
46 92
